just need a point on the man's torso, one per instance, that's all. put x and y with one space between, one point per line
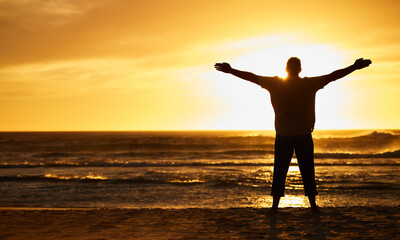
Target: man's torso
293 101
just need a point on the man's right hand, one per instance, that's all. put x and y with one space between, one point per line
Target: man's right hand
362 63
223 67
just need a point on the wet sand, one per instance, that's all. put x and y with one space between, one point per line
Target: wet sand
236 223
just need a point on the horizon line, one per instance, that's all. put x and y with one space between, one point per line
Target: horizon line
199 130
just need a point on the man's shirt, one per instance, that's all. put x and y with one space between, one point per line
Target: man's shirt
293 101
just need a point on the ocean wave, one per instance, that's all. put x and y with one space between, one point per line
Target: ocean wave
160 144
132 164
188 164
210 154
59 155
377 135
150 155
97 179
47 177
239 182
391 154
177 158
123 141
367 187
149 177
200 154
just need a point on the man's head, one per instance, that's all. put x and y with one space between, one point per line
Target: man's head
293 66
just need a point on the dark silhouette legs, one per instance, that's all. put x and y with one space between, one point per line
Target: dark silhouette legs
285 146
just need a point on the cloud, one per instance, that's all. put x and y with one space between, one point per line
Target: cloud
36 15
64 78
85 77
35 31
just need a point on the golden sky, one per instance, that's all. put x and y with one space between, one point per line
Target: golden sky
148 65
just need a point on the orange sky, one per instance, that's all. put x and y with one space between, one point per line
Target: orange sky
148 65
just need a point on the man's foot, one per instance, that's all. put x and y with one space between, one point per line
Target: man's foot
275 204
273 210
315 209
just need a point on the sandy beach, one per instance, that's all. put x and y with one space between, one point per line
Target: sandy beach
196 223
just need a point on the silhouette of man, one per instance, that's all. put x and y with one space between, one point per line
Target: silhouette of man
293 100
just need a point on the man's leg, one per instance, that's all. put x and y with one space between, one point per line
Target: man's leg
283 156
304 148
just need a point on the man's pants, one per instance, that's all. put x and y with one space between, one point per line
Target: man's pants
303 146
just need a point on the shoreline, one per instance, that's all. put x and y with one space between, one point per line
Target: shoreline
283 209
200 223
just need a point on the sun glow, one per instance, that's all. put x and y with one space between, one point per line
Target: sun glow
247 105
270 58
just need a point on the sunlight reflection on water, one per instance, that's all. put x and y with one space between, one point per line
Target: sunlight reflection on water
286 201
294 201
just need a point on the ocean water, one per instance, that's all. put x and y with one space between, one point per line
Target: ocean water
210 169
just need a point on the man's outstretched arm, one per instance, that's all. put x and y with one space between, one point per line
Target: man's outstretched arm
358 64
226 68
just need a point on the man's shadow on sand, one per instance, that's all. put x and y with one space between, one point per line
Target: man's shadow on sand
279 223
261 224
